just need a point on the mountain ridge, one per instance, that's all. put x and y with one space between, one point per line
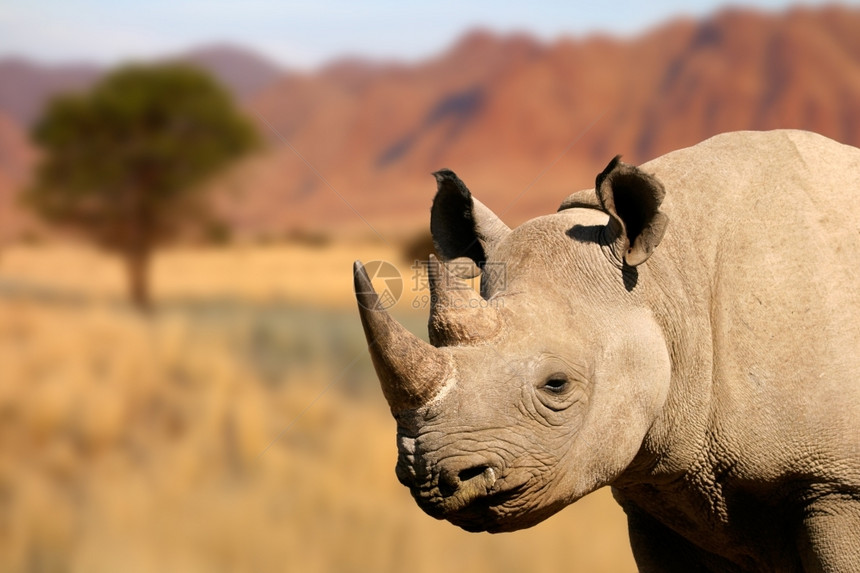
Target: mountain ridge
526 122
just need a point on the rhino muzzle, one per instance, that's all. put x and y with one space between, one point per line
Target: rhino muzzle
473 490
462 491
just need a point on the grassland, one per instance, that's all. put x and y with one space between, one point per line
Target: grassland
238 428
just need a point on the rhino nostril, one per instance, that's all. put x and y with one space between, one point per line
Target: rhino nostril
473 472
469 479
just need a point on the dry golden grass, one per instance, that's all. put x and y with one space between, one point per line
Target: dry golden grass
140 444
301 274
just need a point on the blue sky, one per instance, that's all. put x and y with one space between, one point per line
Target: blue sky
304 34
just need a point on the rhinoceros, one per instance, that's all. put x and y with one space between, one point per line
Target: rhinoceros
687 332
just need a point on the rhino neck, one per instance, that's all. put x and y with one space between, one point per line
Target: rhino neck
679 301
676 473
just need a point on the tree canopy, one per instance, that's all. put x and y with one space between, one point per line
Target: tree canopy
124 163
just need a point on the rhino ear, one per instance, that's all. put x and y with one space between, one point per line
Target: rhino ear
586 198
461 225
632 198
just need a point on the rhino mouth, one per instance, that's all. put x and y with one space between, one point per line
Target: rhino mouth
494 511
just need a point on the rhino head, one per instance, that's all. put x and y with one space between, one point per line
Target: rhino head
542 388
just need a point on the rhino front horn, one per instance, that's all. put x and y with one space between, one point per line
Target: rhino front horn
410 370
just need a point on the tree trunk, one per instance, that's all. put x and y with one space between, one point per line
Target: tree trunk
137 266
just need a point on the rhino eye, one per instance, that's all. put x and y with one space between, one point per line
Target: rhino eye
556 383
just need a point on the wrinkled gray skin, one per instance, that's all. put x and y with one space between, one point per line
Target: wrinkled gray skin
699 355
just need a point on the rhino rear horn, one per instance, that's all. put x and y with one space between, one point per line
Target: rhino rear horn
632 198
410 370
457 314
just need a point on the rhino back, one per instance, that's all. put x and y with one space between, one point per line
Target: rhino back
766 225
764 317
769 222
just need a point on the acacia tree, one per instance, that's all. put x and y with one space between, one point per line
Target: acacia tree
124 165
